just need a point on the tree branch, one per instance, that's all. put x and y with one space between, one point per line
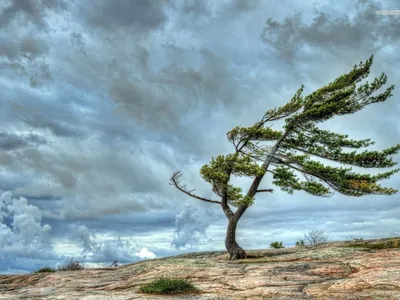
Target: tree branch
265 190
252 156
309 173
311 153
175 181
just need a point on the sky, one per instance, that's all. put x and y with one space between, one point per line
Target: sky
101 101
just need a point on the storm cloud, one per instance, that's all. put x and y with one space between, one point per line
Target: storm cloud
101 103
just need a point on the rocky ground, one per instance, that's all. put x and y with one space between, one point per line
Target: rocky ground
329 272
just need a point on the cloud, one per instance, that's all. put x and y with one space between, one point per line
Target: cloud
367 30
103 102
27 46
9 141
26 243
243 6
145 254
31 11
25 229
22 236
196 7
94 252
140 15
161 100
191 224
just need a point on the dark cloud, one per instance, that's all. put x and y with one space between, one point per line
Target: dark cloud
33 47
32 11
101 102
78 41
22 44
9 141
243 6
26 59
366 30
59 121
140 14
58 128
126 223
196 7
138 98
161 100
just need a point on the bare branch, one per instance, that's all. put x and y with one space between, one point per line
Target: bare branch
317 237
175 181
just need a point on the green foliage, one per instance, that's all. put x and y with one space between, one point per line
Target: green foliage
326 144
236 198
341 97
291 107
218 171
253 133
299 140
285 178
300 243
71 265
220 167
389 244
45 270
351 240
276 245
168 286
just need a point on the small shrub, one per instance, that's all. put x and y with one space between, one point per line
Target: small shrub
316 237
276 245
71 266
354 240
168 286
395 243
45 269
300 243
389 244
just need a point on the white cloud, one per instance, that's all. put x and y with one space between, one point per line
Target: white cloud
192 223
145 254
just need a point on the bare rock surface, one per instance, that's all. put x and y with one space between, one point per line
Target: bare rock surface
331 271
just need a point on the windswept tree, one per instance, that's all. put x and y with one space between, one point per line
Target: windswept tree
293 147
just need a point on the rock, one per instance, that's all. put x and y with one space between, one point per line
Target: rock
331 271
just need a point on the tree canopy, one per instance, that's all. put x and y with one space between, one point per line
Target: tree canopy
294 147
299 141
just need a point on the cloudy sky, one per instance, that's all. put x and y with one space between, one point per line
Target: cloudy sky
101 101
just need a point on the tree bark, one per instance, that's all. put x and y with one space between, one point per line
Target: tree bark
234 250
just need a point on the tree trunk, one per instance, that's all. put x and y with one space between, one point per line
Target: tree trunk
234 250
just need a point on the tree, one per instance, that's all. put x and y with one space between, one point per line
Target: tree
299 139
316 237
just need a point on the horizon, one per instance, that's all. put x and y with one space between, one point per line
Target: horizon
118 264
100 105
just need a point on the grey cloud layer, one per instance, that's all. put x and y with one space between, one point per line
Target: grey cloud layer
366 31
101 103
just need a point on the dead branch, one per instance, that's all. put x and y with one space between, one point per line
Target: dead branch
175 181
